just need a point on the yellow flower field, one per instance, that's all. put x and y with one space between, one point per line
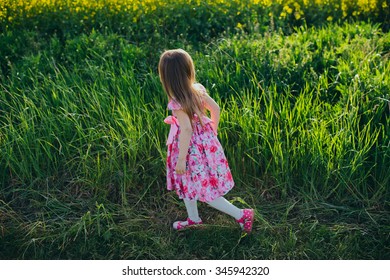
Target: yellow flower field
12 9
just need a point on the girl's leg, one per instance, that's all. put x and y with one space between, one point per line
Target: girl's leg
225 206
243 217
193 215
192 209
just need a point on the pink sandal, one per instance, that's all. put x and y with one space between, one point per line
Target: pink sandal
246 221
179 226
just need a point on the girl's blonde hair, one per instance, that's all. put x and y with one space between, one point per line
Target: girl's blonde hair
177 75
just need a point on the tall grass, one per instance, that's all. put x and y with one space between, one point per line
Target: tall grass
296 126
305 126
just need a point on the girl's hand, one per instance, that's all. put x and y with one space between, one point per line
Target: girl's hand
180 167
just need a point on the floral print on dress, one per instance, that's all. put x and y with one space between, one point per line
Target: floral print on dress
208 175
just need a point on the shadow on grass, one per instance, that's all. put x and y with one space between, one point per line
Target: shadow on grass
288 230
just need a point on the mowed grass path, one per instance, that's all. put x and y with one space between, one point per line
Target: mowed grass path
305 127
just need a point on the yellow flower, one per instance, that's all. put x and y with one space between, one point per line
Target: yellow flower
287 9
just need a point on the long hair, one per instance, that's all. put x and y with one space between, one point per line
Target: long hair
177 75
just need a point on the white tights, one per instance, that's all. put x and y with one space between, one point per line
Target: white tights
220 204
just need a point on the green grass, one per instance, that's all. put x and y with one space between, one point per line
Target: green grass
304 124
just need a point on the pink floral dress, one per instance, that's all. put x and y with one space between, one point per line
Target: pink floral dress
207 174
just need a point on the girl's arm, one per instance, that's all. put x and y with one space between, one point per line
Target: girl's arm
184 140
214 109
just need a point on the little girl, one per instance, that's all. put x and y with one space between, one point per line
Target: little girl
197 168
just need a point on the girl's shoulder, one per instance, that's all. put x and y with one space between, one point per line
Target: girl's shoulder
201 89
173 105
